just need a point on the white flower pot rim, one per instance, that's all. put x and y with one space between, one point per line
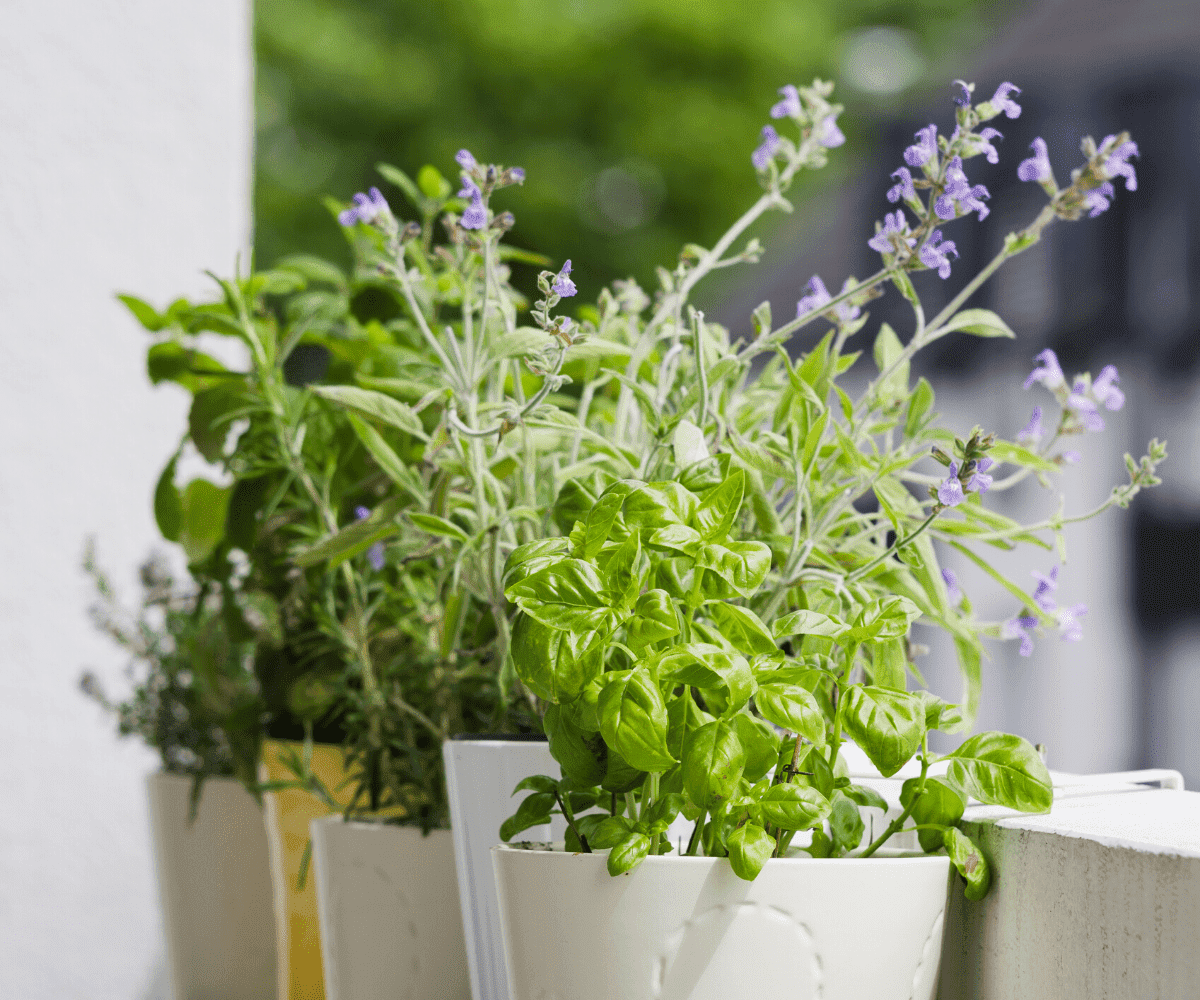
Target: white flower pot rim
883 856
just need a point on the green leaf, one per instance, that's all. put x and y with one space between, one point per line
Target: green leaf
555 665
387 459
805 622
1003 770
435 525
887 349
609 832
208 425
793 807
793 708
522 341
580 755
604 515
653 619
743 565
567 595
633 719
761 743
536 783
865 797
885 618
970 863
845 823
889 667
888 725
980 322
716 514
432 184
168 505
246 500
742 627
355 537
919 405
939 804
572 504
534 810
144 313
713 762
1014 454
375 405
970 654
203 506
688 444
527 559
656 505
709 667
628 854
750 847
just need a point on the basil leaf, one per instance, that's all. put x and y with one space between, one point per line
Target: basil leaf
761 743
656 505
604 516
580 755
742 627
713 761
886 618
888 725
628 854
537 783
793 807
716 514
609 832
889 669
805 622
793 708
939 804
633 719
703 665
970 863
1003 770
555 665
533 811
743 565
750 847
573 503
653 619
846 825
527 559
676 538
566 595
865 797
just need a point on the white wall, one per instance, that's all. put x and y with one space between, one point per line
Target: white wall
125 164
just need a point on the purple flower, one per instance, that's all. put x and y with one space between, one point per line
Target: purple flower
1048 372
1032 433
465 160
963 100
1083 407
789 107
1004 103
362 513
925 147
828 134
1117 165
933 253
563 286
1037 167
904 186
375 556
845 310
952 589
959 196
767 149
1098 199
980 481
818 296
950 492
1069 627
1072 457
982 143
1019 627
1105 391
474 215
1047 585
894 225
517 174
366 208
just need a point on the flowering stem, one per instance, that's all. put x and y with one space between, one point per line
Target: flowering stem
899 544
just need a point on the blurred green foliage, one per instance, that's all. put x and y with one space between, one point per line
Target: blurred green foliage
635 119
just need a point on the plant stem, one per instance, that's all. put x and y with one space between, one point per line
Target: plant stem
899 544
697 831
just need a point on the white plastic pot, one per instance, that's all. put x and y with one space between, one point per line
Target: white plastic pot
480 776
387 901
689 929
214 883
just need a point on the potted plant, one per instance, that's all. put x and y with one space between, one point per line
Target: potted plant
196 704
713 628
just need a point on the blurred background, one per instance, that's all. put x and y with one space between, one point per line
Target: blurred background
146 144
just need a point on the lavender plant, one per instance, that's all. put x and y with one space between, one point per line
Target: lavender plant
721 615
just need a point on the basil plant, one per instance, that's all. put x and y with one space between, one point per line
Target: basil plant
721 616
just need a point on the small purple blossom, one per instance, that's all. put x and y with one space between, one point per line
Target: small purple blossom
1047 585
375 556
563 286
818 296
1032 433
925 147
366 208
828 134
1019 627
1117 164
517 174
1084 408
933 253
362 513
952 589
981 482
1072 457
1037 167
1003 102
1048 372
465 160
950 492
1098 199
984 144
767 149
963 100
894 225
474 215
1069 627
1105 391
903 187
789 107
960 196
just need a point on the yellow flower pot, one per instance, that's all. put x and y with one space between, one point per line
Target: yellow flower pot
288 815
